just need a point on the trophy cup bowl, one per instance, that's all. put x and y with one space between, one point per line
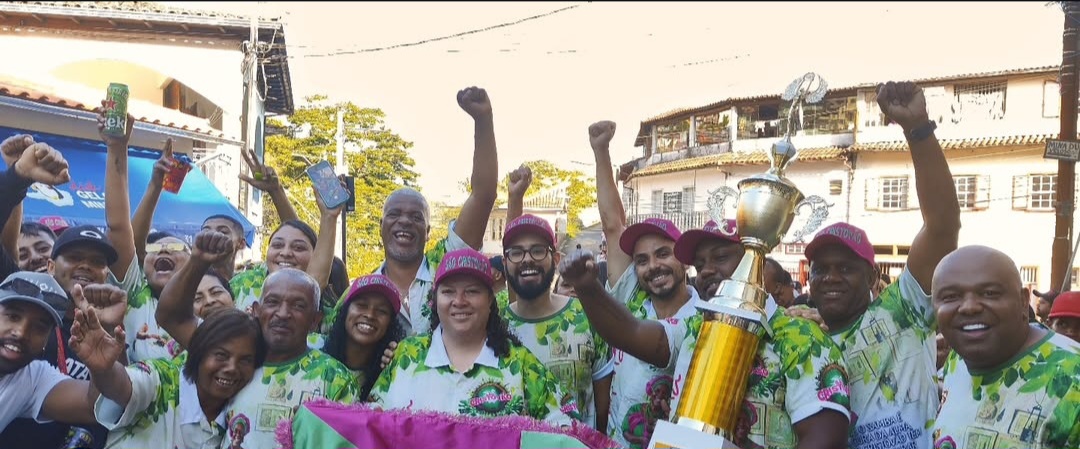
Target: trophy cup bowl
735 319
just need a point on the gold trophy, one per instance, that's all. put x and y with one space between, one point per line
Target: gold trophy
735 319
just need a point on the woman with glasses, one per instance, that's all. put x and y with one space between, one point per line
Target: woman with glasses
473 362
365 327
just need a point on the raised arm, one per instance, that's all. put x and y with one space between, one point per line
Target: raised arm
612 215
905 104
176 309
322 261
472 220
644 339
517 184
37 163
117 199
143 219
266 179
11 149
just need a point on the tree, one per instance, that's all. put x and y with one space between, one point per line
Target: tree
376 156
580 189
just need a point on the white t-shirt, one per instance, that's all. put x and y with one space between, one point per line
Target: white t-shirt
23 393
890 353
1031 401
163 411
640 392
420 378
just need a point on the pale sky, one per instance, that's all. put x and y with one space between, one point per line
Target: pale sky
551 77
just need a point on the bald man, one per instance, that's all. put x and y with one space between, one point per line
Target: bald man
1007 383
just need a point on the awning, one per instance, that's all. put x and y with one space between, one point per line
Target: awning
82 201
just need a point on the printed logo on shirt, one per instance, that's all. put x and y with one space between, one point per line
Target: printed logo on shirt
490 399
945 443
832 385
239 426
568 404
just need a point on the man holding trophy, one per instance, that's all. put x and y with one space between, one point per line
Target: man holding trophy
794 383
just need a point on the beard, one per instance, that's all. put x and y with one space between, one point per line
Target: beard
534 291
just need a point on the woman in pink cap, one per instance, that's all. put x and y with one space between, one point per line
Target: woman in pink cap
364 328
470 364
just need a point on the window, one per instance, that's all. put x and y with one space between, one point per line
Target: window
831 116
1029 275
628 200
1042 191
873 115
687 200
673 136
836 187
894 193
759 121
672 202
965 191
712 128
497 226
984 101
657 201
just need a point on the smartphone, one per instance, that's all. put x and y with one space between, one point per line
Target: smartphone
327 185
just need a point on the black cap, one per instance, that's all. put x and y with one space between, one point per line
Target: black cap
37 288
88 235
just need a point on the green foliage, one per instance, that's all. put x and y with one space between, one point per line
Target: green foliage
580 188
377 157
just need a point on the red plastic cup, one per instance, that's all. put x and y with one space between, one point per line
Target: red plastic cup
174 178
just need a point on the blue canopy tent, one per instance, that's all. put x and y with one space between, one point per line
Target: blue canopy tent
82 201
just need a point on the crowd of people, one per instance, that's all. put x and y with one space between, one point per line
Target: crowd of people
130 338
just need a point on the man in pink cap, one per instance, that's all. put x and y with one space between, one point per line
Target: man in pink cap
806 402
889 341
652 287
554 327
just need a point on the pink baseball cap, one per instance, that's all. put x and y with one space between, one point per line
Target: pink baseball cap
378 284
1066 305
55 223
465 261
528 223
650 226
851 237
689 241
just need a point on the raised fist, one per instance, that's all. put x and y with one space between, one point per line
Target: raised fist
519 181
108 302
903 103
14 146
579 269
42 163
600 134
212 247
475 101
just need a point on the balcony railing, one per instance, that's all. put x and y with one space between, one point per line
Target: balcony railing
685 221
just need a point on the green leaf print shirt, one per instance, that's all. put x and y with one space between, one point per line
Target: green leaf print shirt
1030 402
247 286
420 378
640 392
277 390
163 411
796 374
145 339
567 345
890 353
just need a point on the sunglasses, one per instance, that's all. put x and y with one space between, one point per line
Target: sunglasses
171 247
22 287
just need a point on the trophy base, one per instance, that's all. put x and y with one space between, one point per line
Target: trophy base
683 436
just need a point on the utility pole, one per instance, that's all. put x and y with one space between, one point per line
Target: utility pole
249 115
1060 263
341 169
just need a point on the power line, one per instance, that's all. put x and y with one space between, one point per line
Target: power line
441 38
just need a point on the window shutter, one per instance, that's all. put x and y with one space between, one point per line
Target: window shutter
870 196
687 200
912 194
1020 192
982 192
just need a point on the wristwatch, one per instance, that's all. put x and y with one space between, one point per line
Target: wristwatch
922 132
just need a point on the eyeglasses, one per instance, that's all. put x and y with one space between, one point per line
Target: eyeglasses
24 287
536 252
171 247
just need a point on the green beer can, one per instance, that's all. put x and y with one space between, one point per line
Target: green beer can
116 110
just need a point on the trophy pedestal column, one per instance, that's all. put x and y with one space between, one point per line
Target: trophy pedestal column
672 436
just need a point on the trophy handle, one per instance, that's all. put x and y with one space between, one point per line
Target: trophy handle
717 202
819 211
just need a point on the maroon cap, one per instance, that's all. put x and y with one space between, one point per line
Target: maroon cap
378 284
55 223
527 223
687 244
851 237
465 261
650 226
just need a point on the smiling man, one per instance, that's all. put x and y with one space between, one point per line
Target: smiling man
1008 383
35 247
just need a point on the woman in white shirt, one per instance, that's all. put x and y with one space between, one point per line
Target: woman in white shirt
151 404
470 364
